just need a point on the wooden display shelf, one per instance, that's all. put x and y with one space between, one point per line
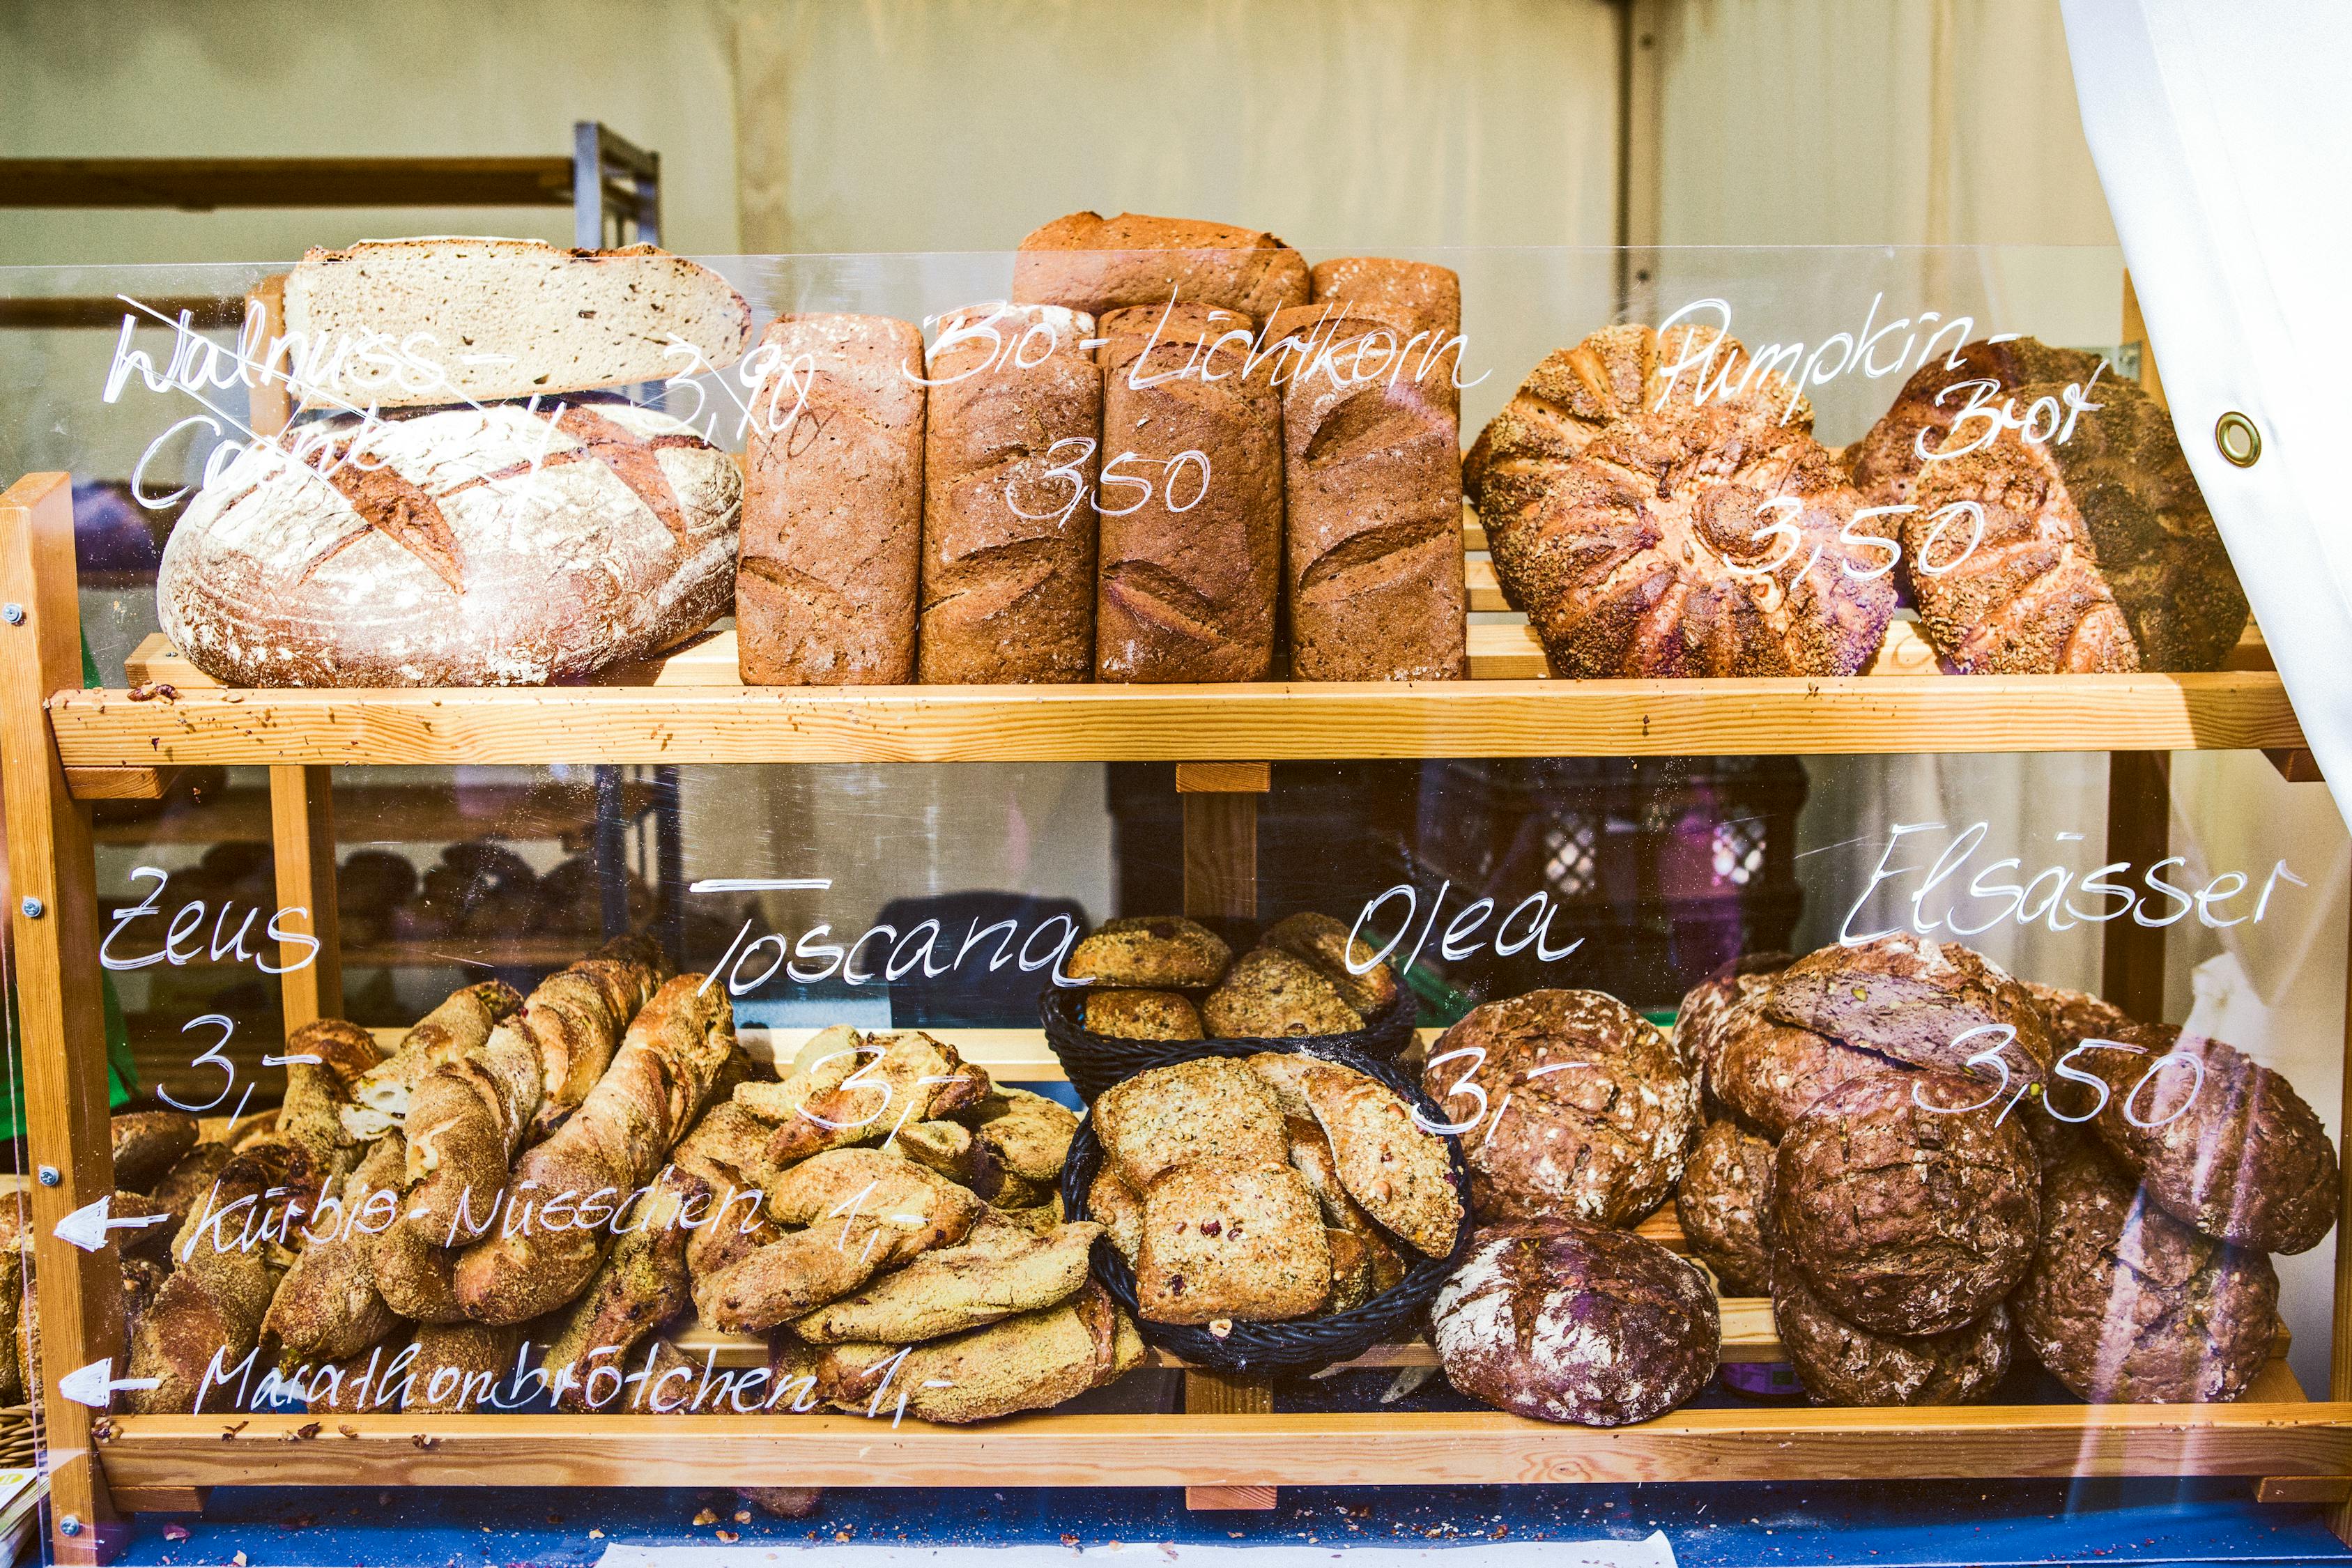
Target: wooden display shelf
687 708
391 814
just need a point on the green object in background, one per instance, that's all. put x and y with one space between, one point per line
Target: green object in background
121 1073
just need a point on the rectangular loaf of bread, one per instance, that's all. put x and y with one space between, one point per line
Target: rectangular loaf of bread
1372 496
1015 418
832 505
1192 503
1097 264
403 323
1422 299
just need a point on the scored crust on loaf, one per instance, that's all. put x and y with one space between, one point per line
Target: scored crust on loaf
1213 1107
410 323
1928 1002
1771 1073
1228 1238
1092 263
1402 1176
1648 532
1844 1363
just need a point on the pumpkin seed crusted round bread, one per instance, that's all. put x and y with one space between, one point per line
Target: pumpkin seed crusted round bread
1213 1107
1270 994
1154 951
1141 1015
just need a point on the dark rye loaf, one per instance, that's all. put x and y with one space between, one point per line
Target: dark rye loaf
1424 299
2232 1149
1769 1073
1095 264
2124 1304
1008 578
1842 1363
1928 1002
832 505
464 547
1907 1215
1698 1020
1725 1202
1190 567
1574 1322
1372 571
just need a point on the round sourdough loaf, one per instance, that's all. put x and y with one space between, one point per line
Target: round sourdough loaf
1770 1073
2218 1139
493 546
1698 1021
1928 1002
1581 1109
1575 1323
2125 1305
1724 1200
1908 1203
1844 1363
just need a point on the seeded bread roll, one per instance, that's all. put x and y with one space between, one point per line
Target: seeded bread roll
1213 1107
1157 953
1361 979
1565 1322
1270 994
1372 484
1424 299
1907 1213
1844 1364
2124 1304
1931 1003
1191 529
1577 1106
1232 1240
2219 1140
832 505
1141 1015
1725 1202
1008 574
1095 264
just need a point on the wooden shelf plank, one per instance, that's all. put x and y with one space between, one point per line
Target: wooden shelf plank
1276 721
380 814
200 185
1376 1449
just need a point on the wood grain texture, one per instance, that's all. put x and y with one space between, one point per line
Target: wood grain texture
302 841
119 784
1223 778
161 1500
1209 1393
2140 833
59 1010
1220 857
1378 1449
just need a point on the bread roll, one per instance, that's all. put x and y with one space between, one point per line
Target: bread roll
832 506
468 547
1190 566
1373 485
1091 263
1009 466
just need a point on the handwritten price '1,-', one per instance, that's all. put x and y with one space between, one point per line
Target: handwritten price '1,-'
1188 469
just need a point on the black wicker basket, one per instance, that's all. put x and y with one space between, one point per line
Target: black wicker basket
1300 1345
1095 1062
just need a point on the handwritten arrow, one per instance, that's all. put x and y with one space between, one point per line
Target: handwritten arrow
86 1227
92 1384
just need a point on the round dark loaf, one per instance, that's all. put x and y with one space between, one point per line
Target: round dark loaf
1770 1073
492 546
1906 1213
1576 1322
1648 530
2056 1120
1725 1202
1931 1003
2124 1304
1698 1021
1581 1109
1190 568
2217 1140
1842 1363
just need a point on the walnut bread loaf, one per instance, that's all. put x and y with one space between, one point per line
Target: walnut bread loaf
432 320
832 505
1192 534
496 546
1008 468
1648 529
1092 264
1373 568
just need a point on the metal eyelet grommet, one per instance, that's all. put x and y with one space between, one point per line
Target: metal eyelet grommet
2241 443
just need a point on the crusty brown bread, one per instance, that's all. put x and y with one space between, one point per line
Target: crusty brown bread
1907 1202
1928 1002
1268 995
148 1143
896 1080
499 546
832 545
653 1093
317 1092
1373 572
1135 1015
1648 532
1725 1202
1419 297
327 1307
1091 263
1192 561
640 1286
460 1023
226 1270
1156 951
458 1366
2217 1140
1030 1361
1840 1362
1213 1107
1769 1073
1364 980
1402 1176
1232 1240
999 1270
1009 465
1889 458
1698 1020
